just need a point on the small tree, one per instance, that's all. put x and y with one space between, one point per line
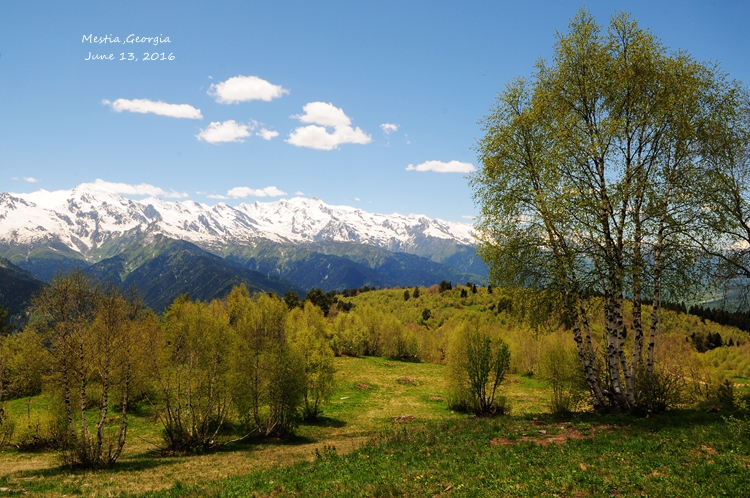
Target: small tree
477 364
269 371
308 330
192 371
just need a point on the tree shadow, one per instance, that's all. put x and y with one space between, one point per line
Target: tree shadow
651 422
324 422
128 465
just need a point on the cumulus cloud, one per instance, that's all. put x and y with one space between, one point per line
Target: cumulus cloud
145 106
388 128
325 114
241 192
30 179
245 89
317 135
267 134
227 131
442 167
140 189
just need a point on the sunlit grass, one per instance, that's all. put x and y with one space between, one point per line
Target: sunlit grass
371 393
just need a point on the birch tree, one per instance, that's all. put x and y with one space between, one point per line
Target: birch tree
590 173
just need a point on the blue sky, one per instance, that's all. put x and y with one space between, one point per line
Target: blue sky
333 99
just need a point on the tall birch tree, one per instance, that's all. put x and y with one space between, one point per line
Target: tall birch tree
590 173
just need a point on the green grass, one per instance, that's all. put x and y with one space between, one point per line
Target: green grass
680 454
388 432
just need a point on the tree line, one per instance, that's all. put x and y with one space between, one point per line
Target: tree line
250 361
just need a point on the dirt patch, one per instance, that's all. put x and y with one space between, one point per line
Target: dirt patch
546 439
435 398
361 385
404 418
708 450
408 381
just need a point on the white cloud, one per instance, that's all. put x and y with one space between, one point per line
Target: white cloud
217 196
14 178
388 128
267 134
241 192
356 199
245 89
30 179
467 217
442 167
324 114
140 189
317 135
299 192
145 106
227 131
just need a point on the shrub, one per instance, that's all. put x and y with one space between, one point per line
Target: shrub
560 366
6 427
477 364
399 343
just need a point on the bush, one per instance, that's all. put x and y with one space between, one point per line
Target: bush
560 366
477 364
6 427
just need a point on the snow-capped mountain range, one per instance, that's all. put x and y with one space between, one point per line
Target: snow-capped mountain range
86 218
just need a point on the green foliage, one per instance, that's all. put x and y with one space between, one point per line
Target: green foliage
349 334
584 166
93 351
22 364
7 426
321 299
559 365
477 364
269 381
398 342
191 363
309 332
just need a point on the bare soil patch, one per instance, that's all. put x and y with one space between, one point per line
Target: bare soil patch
543 438
404 418
408 381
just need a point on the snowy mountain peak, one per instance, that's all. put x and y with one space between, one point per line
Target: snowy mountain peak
89 215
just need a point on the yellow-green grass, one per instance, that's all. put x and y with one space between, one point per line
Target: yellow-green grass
373 395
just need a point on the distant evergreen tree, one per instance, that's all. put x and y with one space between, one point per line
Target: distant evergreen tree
504 304
489 289
415 292
445 285
426 314
292 300
321 299
5 326
473 288
464 293
406 295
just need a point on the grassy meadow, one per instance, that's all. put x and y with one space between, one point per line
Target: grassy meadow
387 429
